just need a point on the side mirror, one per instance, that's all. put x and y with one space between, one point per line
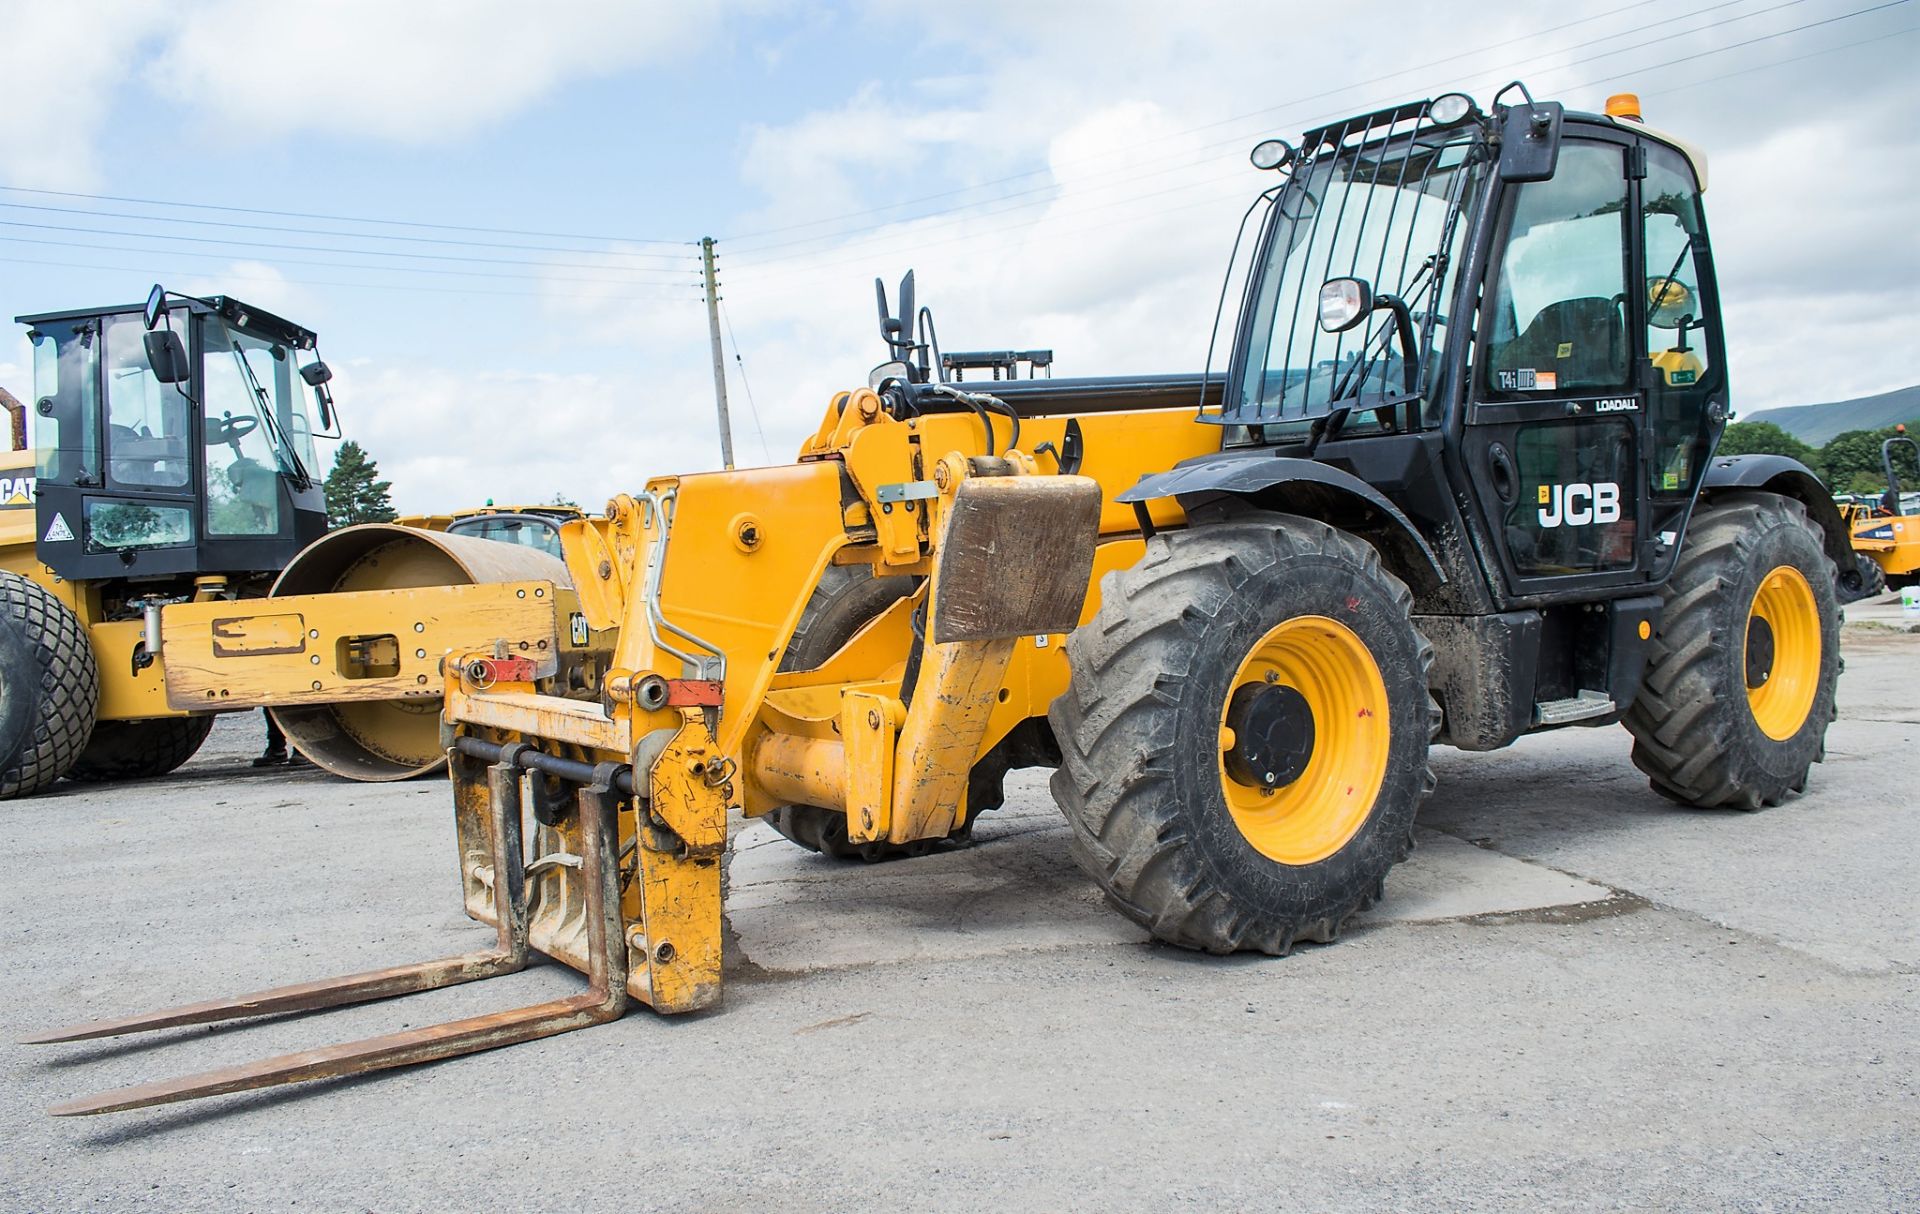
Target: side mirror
317 376
167 356
1530 140
156 307
886 371
1344 303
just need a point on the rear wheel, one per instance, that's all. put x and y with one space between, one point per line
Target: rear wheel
1739 687
1244 739
140 750
49 687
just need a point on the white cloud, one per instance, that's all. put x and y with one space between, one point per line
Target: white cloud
449 439
63 68
260 284
410 72
1114 252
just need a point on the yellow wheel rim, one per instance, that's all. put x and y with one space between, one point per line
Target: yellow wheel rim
1318 665
1782 648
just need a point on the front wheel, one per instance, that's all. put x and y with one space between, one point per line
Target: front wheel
139 750
49 687
1739 686
1244 737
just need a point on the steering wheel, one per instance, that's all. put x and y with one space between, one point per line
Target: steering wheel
230 429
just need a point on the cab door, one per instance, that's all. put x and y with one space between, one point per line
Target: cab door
1555 434
1685 368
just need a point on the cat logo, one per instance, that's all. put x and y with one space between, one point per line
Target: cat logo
1577 505
16 491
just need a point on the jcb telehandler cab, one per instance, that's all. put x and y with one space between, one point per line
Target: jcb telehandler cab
1458 482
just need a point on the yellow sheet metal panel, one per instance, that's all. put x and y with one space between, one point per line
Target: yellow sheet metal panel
870 724
331 648
127 694
745 602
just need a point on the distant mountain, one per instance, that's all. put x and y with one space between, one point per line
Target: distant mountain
1816 424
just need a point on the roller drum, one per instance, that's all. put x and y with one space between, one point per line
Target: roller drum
392 739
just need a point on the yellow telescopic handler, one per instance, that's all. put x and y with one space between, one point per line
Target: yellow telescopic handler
1457 483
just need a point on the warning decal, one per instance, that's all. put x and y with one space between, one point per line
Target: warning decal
58 530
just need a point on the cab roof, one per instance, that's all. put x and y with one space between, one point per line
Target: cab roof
226 307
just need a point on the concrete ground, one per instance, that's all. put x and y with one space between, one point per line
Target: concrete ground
1575 996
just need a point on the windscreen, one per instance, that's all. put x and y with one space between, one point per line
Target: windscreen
1379 199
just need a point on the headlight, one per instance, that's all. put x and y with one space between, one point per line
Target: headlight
1271 154
1451 109
1344 303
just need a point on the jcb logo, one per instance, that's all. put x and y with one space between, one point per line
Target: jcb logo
1577 505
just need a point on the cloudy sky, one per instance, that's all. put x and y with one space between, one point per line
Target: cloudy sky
1067 175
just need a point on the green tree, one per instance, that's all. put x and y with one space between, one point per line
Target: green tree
1764 438
1854 455
355 494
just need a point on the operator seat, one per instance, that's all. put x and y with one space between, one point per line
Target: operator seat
1583 342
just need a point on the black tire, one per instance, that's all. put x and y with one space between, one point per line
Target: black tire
49 687
1695 732
847 598
1141 780
1865 581
139 750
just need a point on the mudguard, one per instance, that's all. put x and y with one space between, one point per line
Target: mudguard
1788 477
1300 486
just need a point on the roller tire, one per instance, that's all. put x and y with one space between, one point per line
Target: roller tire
1694 733
49 687
1139 780
139 750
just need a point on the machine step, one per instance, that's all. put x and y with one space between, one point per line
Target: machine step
1586 705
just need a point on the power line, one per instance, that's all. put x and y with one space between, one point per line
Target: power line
1126 176
149 270
345 265
307 248
398 223
748 236
896 229
916 245
753 410
1760 67
264 227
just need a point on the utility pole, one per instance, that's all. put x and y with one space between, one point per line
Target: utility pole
719 363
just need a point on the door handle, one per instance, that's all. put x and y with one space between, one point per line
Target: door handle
1506 477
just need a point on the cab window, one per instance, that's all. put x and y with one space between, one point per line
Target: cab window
1678 316
1558 322
148 437
243 483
